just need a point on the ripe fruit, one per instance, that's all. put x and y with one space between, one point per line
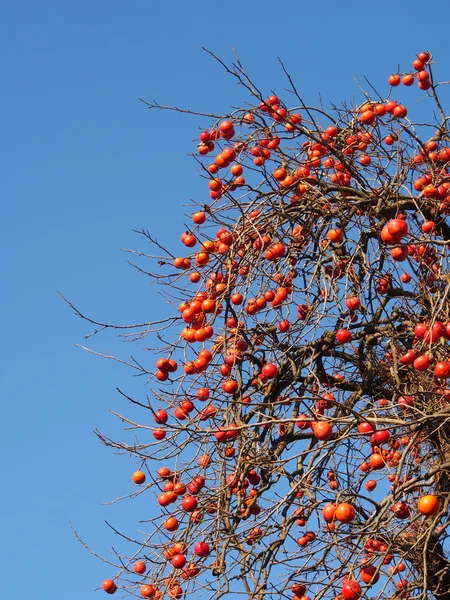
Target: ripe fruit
178 561
171 524
345 512
139 567
376 461
279 174
408 358
226 127
351 590
175 591
367 574
147 591
188 240
389 106
138 477
269 370
387 237
429 191
302 423
408 79
400 510
397 228
237 299
421 363
400 112
328 512
335 235
179 489
343 336
167 498
298 589
189 503
164 472
109 586
322 430
224 434
275 251
420 330
394 80
353 303
399 253
428 505
379 110
202 549
230 386
365 427
161 375
405 277
367 117
284 326
428 226
381 436
442 370
404 401
161 417
202 393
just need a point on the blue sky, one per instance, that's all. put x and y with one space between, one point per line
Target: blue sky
83 163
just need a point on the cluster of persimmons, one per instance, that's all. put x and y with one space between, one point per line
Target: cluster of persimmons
297 439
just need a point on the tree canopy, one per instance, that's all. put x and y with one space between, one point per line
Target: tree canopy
293 434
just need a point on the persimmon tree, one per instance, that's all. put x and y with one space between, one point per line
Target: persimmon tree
293 433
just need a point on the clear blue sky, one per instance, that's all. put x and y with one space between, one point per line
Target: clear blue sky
83 163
